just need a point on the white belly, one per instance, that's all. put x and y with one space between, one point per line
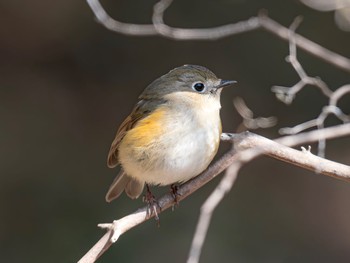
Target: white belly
181 153
188 154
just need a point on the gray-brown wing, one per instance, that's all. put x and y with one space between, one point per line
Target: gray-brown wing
132 187
142 109
127 124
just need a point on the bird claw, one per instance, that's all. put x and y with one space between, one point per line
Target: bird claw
174 191
152 205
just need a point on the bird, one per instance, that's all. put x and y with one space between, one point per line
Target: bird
172 133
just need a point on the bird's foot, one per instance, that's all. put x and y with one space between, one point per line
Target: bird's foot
152 204
174 191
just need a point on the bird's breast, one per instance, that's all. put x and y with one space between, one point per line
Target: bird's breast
172 144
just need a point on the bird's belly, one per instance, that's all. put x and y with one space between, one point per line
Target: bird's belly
185 158
177 155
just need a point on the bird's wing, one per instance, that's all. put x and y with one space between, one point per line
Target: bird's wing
142 109
127 124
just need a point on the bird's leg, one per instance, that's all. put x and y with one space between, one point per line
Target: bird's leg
152 204
173 190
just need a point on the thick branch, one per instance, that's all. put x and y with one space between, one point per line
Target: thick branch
304 159
255 145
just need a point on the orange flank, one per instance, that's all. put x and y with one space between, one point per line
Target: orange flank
147 129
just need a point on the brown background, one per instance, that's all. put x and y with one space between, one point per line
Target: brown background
66 83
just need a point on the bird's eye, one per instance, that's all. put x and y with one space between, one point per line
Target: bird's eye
199 86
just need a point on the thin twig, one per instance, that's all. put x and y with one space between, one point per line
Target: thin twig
117 26
249 122
208 208
287 94
212 33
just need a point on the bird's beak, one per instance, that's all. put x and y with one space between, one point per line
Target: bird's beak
225 83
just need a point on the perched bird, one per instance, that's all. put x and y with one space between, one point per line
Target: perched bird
172 134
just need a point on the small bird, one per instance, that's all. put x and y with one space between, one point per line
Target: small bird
171 135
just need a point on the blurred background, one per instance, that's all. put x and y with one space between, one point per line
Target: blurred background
66 83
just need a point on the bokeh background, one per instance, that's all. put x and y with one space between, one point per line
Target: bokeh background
66 83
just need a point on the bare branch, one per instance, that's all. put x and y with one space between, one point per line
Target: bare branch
120 27
307 45
198 33
208 208
331 108
287 95
250 146
255 145
336 95
249 122
262 21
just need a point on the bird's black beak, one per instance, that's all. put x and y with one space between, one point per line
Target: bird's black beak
225 83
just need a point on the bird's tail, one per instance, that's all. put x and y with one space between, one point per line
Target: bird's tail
132 187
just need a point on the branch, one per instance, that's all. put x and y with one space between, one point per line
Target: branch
255 145
249 122
262 21
208 208
120 27
251 146
305 44
287 94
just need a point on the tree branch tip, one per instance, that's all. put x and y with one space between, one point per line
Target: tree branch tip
288 59
296 23
105 225
113 228
307 151
226 136
285 131
161 6
231 137
279 89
